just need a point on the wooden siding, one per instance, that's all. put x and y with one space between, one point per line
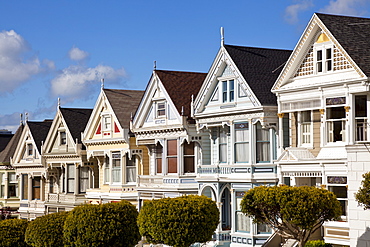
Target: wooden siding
293 128
316 132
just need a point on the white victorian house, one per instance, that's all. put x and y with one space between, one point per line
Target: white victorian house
163 123
324 108
236 111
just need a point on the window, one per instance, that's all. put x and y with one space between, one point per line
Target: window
29 149
305 126
63 138
172 156
324 60
263 144
51 184
107 124
241 146
243 222
361 117
158 157
263 229
131 169
12 185
116 167
161 109
36 188
84 179
189 158
106 170
228 91
336 123
342 196
25 186
70 178
222 144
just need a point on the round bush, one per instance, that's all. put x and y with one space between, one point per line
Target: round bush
12 233
46 231
317 243
111 224
179 221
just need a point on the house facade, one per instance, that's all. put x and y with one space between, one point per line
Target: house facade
324 106
68 174
111 145
163 123
238 116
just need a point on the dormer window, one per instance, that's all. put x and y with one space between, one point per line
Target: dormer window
324 60
161 109
63 138
107 124
29 149
228 91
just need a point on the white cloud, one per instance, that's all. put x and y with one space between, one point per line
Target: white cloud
292 11
345 7
14 67
78 82
76 54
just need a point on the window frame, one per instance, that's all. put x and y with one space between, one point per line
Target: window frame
305 128
227 90
239 126
325 64
106 122
172 156
161 112
71 179
116 167
266 142
225 130
129 167
188 156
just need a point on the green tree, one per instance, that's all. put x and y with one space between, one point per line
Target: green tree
317 243
179 221
110 224
12 233
363 194
47 230
294 212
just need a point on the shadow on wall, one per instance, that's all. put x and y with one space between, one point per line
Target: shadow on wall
364 239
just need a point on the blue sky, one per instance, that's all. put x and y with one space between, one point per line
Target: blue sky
51 49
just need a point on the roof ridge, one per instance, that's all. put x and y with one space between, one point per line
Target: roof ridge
178 71
259 48
343 15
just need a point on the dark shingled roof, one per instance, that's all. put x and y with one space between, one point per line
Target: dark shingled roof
4 140
353 34
260 68
76 120
12 145
181 86
39 131
124 102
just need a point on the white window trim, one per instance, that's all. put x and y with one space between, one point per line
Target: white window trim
323 47
105 116
300 130
157 109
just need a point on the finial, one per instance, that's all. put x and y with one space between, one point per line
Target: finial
192 106
155 65
21 115
26 116
58 103
131 117
222 36
182 110
102 83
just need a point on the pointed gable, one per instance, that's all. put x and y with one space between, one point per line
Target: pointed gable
76 120
10 148
353 34
39 131
124 104
260 67
181 86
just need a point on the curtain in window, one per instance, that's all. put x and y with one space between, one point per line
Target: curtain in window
223 143
106 171
263 144
243 223
116 167
70 178
241 142
131 169
84 179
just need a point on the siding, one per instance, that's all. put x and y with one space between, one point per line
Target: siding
316 132
293 128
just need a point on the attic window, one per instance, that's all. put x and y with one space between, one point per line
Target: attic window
228 91
63 138
29 149
106 122
161 109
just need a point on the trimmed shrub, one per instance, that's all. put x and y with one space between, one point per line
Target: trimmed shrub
46 231
180 221
111 224
317 243
12 233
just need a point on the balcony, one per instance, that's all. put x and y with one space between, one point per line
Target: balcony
170 182
52 198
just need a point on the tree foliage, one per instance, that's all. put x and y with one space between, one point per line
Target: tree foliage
12 233
363 194
110 224
47 230
295 212
317 243
180 221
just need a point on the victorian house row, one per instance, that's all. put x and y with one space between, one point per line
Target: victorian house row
217 134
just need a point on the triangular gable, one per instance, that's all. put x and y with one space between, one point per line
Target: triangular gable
302 61
211 92
156 107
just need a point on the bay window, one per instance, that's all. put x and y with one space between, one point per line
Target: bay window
361 117
222 143
36 188
158 158
84 179
71 178
172 156
116 167
189 158
263 144
241 145
131 169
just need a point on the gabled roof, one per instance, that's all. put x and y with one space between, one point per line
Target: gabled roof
353 34
39 131
76 120
260 68
124 103
181 86
4 140
9 150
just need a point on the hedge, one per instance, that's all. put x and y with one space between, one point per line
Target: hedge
46 231
12 232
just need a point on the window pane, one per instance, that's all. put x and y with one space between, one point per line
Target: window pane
172 164
189 164
263 228
131 169
231 90
360 106
84 179
172 147
36 188
158 156
241 152
25 186
224 91
159 165
242 222
161 109
189 148
263 151
223 152
116 167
